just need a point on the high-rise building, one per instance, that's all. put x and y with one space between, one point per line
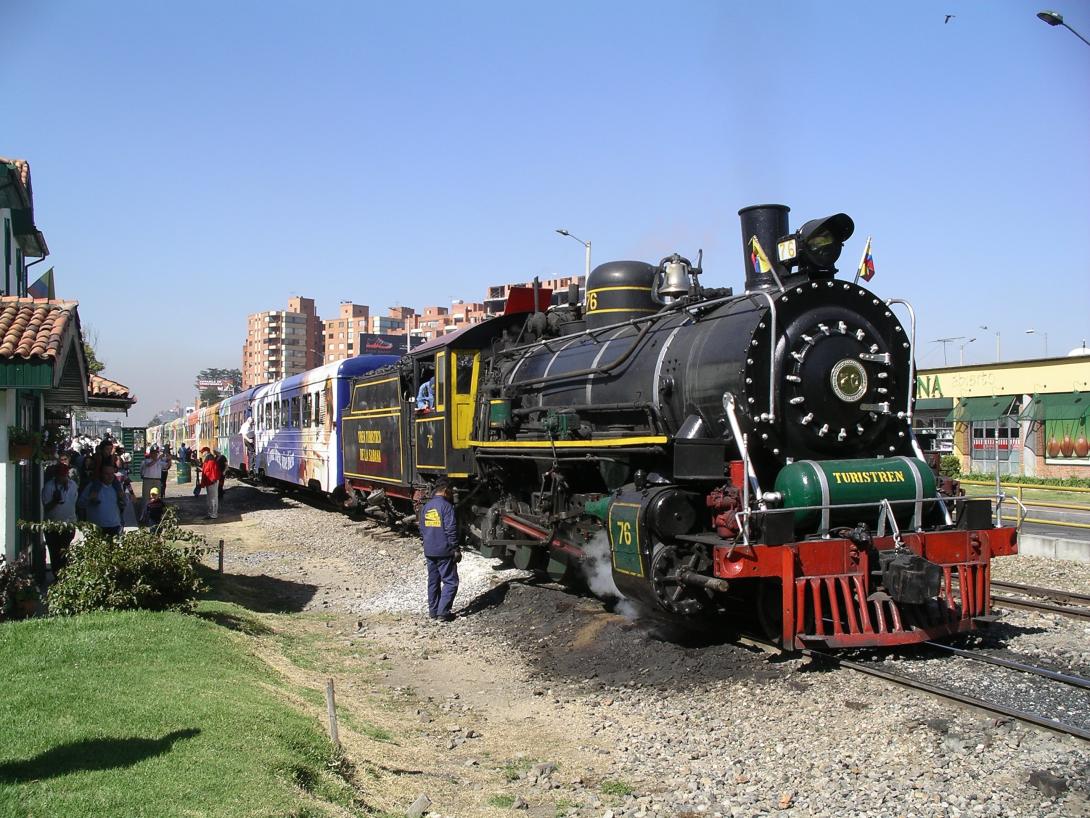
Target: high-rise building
280 343
340 334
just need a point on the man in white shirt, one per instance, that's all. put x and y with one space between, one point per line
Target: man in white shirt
59 496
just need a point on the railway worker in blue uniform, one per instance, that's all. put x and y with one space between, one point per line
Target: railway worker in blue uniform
439 530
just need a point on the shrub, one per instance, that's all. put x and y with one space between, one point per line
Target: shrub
950 465
1027 480
152 569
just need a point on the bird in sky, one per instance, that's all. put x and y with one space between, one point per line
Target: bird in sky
949 17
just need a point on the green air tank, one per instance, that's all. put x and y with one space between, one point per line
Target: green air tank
842 482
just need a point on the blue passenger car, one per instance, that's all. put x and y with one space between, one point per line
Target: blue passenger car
297 422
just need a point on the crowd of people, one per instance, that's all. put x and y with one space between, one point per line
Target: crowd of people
91 482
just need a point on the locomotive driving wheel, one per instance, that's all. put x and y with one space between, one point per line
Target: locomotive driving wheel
668 565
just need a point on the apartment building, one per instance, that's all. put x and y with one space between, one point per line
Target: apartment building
397 321
341 334
280 343
496 295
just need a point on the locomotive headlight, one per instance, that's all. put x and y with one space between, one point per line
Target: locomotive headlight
816 246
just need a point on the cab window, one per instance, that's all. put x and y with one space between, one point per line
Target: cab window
440 379
463 373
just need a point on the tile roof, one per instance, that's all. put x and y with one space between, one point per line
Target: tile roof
34 328
105 388
22 168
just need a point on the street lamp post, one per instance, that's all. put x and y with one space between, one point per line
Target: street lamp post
944 342
1054 18
1044 333
586 245
961 360
985 326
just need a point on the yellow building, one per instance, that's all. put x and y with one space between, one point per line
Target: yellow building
1022 417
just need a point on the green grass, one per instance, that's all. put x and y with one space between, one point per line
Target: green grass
513 770
158 715
614 787
503 801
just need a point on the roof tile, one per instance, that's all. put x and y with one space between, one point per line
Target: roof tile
100 387
33 328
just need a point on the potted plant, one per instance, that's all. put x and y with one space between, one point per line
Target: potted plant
18 591
22 443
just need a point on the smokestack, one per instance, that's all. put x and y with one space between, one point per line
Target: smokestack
769 224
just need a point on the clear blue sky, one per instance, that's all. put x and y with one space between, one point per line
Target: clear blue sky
195 162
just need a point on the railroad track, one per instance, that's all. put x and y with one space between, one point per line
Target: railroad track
964 698
958 696
1065 603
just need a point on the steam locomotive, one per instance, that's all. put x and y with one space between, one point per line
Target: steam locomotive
727 452
749 450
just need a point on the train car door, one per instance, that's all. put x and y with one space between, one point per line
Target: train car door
464 366
430 423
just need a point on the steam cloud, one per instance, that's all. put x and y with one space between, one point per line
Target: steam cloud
597 567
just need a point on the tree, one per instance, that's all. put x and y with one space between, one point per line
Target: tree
90 338
210 395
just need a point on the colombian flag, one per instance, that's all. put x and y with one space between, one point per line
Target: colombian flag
866 264
43 287
757 257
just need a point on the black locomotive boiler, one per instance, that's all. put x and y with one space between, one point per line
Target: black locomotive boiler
722 449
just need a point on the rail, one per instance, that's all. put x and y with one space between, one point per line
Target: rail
1016 492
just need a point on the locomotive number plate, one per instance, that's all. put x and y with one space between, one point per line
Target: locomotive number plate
624 537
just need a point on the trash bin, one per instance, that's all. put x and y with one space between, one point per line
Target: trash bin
185 474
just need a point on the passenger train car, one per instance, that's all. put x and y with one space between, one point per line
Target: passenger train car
232 415
294 424
297 423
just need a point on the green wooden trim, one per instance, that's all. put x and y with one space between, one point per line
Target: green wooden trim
26 374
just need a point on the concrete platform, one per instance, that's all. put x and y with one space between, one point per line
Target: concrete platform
1060 548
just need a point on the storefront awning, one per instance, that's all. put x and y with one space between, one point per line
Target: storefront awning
1062 406
934 404
993 408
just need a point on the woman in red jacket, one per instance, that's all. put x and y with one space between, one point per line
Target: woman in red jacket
210 481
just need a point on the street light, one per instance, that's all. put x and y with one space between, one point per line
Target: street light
1035 332
985 326
944 342
585 244
961 361
1054 18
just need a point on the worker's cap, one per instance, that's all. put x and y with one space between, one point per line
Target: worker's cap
155 492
